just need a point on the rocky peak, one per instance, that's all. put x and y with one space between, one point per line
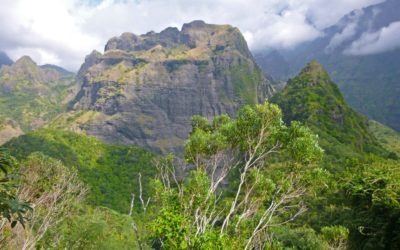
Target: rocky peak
196 24
25 61
90 60
26 75
144 89
31 95
23 69
126 41
196 34
315 73
169 33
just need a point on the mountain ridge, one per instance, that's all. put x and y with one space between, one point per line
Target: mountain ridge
4 59
30 96
369 82
144 89
314 99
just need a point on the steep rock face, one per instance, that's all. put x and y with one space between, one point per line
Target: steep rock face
144 89
30 96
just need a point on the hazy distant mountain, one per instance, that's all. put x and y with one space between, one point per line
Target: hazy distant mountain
352 53
4 59
144 89
63 72
30 96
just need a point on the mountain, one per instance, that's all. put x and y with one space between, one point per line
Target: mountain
352 53
61 71
144 89
4 59
388 137
312 98
30 96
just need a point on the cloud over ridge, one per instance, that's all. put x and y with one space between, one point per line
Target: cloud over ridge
64 31
385 39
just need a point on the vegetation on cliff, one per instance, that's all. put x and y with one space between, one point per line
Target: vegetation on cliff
30 96
312 98
307 172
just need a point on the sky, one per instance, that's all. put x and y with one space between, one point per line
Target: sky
63 32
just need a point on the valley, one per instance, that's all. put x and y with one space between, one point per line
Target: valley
180 139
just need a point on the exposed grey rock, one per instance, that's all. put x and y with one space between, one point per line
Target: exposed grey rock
145 89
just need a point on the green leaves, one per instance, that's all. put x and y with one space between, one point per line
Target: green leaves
170 227
6 161
301 144
255 147
11 207
207 138
264 122
336 236
257 128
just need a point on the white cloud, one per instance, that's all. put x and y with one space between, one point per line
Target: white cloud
385 39
64 31
346 34
348 31
324 13
46 30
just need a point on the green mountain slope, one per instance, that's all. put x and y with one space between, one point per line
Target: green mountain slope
30 96
369 82
389 138
111 171
359 188
312 98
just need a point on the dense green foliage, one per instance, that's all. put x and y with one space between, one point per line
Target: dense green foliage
59 218
25 107
11 207
389 138
274 164
111 171
318 181
362 195
373 194
312 98
92 228
361 187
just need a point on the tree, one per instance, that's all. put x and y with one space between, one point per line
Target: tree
204 210
336 236
371 189
12 208
52 190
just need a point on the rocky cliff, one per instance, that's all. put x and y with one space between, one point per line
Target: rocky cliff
144 89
